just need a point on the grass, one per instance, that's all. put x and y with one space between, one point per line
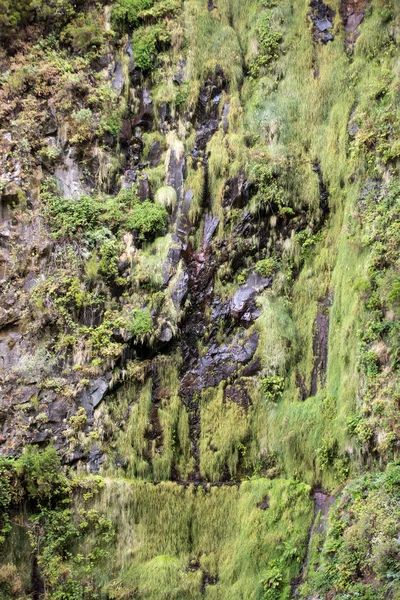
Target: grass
167 535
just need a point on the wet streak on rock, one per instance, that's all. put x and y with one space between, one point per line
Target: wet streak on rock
322 505
353 12
320 344
200 266
37 583
323 194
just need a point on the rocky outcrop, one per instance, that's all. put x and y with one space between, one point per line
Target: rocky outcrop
322 18
353 12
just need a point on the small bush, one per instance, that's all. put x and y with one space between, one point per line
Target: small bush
268 43
41 472
266 267
141 323
147 219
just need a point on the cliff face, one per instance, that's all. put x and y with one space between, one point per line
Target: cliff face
199 290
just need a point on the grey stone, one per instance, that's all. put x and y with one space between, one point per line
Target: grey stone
118 79
97 390
323 24
247 292
181 289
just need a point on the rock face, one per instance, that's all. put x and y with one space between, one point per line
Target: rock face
69 176
353 12
320 345
322 17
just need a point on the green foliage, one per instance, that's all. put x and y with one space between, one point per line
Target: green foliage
266 267
270 193
179 534
146 43
68 217
42 474
147 219
126 13
149 18
84 216
272 583
272 387
85 33
360 553
140 324
17 13
268 44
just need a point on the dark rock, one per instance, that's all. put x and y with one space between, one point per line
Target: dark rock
180 289
97 390
237 192
145 114
247 292
184 225
252 368
165 114
204 134
320 344
175 170
171 263
103 62
58 411
179 76
322 18
264 504
237 393
121 463
353 12
118 79
95 459
352 128
126 131
73 457
210 225
143 188
322 24
220 362
166 334
155 154
326 37
225 113
129 51
41 436
92 397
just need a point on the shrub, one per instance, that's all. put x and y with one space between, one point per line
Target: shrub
17 13
85 33
273 387
272 583
146 43
266 267
41 473
125 13
268 43
67 216
141 323
147 219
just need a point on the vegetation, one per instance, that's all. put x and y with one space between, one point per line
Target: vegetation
206 143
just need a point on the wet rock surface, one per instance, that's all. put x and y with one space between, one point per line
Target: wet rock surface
322 17
219 363
353 12
243 306
320 344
